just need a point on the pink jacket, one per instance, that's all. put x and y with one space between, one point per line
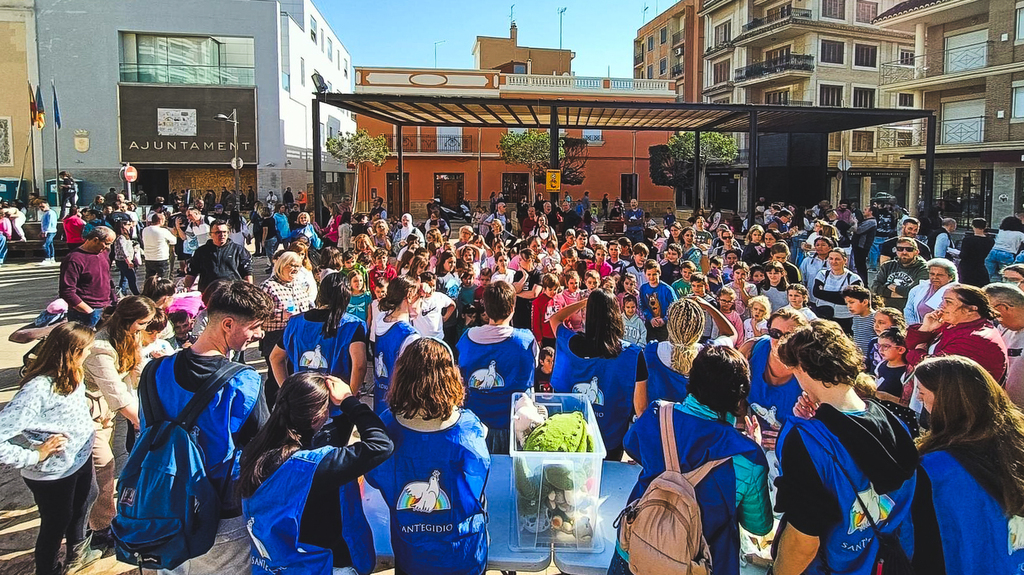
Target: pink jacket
978 340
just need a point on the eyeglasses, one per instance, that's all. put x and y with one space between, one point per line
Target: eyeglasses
905 249
725 301
775 333
887 346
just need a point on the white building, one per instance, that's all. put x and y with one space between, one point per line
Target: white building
141 82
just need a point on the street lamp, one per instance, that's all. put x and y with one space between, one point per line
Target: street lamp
236 162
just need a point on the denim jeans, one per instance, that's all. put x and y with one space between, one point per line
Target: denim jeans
3 248
157 268
128 281
995 262
619 566
48 246
89 319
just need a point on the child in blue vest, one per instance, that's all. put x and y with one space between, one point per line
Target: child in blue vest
393 331
300 499
735 492
434 483
969 506
848 468
599 364
497 360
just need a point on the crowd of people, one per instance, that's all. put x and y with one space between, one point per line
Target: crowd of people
863 413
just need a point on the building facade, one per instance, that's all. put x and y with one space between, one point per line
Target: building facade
18 68
669 48
144 84
453 164
967 64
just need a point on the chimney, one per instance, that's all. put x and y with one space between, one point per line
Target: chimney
513 33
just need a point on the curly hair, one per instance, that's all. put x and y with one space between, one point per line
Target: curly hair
426 382
824 351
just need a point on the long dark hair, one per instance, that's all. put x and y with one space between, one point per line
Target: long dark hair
976 298
399 289
603 327
334 295
128 311
301 410
974 419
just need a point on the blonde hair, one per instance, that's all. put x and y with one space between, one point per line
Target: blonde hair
284 260
685 327
763 301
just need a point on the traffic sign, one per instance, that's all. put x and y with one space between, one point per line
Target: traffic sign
237 161
554 180
130 173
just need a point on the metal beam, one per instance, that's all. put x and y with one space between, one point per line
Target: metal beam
698 202
400 192
318 161
470 112
514 115
752 169
929 155
553 132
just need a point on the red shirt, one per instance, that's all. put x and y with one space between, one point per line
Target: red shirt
541 327
389 273
978 340
73 226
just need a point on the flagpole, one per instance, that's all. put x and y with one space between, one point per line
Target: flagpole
24 161
56 150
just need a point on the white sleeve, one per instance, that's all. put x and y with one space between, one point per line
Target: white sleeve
17 416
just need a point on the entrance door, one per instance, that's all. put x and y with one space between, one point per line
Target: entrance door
628 187
153 184
398 200
449 188
515 186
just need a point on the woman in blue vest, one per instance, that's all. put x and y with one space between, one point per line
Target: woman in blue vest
731 494
848 468
668 362
497 360
327 338
774 389
599 364
393 333
434 483
969 506
301 502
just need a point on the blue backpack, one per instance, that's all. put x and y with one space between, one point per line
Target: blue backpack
167 509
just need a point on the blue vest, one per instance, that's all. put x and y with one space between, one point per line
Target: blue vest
309 350
493 372
699 441
433 485
977 537
663 382
225 415
385 355
608 383
773 404
850 546
273 516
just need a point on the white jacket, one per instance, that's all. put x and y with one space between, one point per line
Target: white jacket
917 294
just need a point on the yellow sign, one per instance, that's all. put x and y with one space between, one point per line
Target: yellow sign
554 180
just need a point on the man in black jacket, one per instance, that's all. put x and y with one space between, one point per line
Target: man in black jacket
220 258
863 239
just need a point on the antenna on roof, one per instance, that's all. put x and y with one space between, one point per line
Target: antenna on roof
643 16
560 12
512 15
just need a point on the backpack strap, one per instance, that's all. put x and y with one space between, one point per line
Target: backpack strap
152 410
698 475
204 395
668 436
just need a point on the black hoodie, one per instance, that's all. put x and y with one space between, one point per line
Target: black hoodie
876 441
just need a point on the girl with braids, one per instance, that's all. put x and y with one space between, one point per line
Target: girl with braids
434 482
599 364
968 509
735 490
291 475
393 333
669 362
326 338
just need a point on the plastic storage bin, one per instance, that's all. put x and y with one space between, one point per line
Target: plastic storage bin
556 495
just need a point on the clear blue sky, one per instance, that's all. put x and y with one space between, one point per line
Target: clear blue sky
403 32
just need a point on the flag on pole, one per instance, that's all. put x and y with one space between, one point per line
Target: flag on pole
56 109
40 110
32 110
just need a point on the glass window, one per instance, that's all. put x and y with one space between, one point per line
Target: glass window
866 11
664 35
593 135
721 71
865 56
286 82
312 29
330 50
832 52
830 95
833 9
723 33
777 97
863 98
518 68
650 43
188 60
1018 102
1020 23
863 141
905 100
302 71
650 70
906 57
663 66
835 142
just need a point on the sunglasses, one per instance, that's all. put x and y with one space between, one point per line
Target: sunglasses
905 249
775 333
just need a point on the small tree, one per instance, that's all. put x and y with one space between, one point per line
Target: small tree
533 150
359 148
672 164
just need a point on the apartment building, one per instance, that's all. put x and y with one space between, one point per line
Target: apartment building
967 64
669 48
804 53
452 163
20 67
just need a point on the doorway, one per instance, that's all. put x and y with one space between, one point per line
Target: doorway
628 187
398 200
449 188
515 186
152 183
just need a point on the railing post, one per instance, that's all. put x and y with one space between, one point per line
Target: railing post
929 184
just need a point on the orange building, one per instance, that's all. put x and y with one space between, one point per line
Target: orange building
670 47
450 163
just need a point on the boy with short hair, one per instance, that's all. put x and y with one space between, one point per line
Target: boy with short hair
541 329
545 366
634 329
682 285
636 267
858 301
616 264
655 297
889 373
670 267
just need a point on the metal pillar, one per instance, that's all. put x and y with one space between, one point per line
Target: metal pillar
752 169
318 161
553 133
697 200
400 190
929 156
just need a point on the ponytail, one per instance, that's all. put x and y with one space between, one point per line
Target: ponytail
685 327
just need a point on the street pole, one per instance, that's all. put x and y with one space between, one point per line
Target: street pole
561 11
234 164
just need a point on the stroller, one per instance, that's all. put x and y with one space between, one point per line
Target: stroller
54 315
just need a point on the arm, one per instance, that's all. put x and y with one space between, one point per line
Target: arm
101 367
357 351
279 363
755 506
796 551
640 402
345 464
19 414
725 327
68 291
564 313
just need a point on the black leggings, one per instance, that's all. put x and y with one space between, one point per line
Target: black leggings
64 506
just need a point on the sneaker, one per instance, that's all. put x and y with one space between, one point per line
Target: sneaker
103 539
81 556
44 263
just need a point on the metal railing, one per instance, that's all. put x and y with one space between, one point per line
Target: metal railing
677 70
784 13
593 137
589 83
788 99
961 59
726 44
962 131
439 144
901 135
188 75
677 38
801 62
638 59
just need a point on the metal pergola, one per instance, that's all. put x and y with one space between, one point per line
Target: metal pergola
554 114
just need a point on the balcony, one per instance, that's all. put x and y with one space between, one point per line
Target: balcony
677 70
962 63
719 88
638 59
440 144
677 38
962 131
954 133
788 99
591 84
906 135
713 5
784 13
718 48
188 75
775 66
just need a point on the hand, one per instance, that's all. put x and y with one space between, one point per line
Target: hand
657 322
53 444
753 428
931 321
805 408
339 390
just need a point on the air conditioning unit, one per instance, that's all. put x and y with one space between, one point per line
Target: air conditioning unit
679 51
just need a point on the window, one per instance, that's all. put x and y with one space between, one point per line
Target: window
779 97
863 98
187 60
650 43
517 130
830 96
832 52
312 29
1018 102
833 9
593 136
906 57
518 68
330 50
339 59
1020 23
650 70
863 141
905 100
286 82
865 56
663 66
664 35
723 33
302 71
721 72
835 142
346 67
866 11
777 55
